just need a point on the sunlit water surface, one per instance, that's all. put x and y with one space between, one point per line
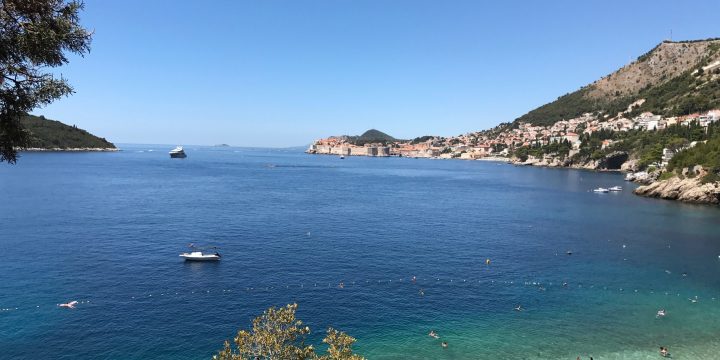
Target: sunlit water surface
106 229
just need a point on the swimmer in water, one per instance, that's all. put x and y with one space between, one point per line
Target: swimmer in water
444 345
69 305
422 292
433 334
661 313
341 285
413 278
519 308
664 352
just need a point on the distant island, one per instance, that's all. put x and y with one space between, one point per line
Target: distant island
52 135
657 117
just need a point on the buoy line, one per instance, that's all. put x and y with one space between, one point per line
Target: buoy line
424 286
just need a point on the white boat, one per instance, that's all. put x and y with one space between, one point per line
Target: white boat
342 157
615 188
200 256
177 152
196 254
601 190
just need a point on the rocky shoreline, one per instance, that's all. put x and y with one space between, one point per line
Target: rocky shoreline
690 190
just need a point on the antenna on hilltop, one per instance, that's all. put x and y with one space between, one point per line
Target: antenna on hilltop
670 34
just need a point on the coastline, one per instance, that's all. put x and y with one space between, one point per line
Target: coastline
507 160
69 150
690 191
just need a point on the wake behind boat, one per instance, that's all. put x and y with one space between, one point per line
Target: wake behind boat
178 152
196 254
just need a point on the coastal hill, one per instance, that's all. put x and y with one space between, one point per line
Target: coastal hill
674 78
371 136
48 134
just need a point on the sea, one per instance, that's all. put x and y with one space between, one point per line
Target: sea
385 249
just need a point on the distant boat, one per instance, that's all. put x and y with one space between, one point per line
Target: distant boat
342 157
178 152
615 188
601 190
197 255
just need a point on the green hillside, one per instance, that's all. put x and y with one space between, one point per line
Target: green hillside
669 77
705 154
49 134
372 136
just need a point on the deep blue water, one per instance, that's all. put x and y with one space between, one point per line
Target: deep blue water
106 229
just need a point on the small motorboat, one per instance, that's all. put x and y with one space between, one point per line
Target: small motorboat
601 190
200 256
342 157
615 188
196 254
178 152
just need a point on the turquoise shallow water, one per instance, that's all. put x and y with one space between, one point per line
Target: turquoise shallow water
106 229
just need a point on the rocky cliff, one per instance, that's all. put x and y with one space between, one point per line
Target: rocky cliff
690 190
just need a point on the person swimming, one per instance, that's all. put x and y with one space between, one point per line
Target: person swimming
444 345
519 308
421 292
664 352
661 313
433 334
69 305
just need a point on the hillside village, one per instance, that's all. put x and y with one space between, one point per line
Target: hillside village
483 144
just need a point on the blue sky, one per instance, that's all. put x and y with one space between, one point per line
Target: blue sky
282 73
